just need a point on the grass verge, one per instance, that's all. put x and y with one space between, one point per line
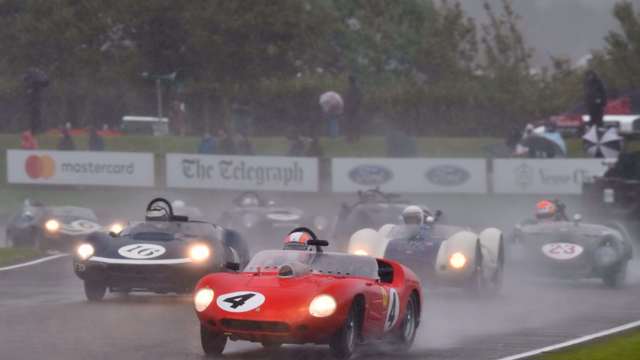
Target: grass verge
625 346
12 256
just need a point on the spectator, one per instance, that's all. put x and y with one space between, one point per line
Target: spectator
595 98
96 143
226 146
243 145
352 102
207 144
314 149
28 141
66 143
178 117
296 146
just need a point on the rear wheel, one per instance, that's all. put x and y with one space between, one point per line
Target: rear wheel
406 333
94 290
343 343
213 343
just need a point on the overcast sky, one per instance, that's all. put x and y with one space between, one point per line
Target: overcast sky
569 28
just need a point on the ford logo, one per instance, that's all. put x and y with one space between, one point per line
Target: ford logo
447 175
370 175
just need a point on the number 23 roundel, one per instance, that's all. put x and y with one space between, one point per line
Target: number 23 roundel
240 301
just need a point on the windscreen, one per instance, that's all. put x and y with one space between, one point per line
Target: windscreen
167 231
320 263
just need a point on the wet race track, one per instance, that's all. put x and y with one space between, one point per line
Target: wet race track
44 314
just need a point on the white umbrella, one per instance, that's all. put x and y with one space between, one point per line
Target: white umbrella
605 143
331 103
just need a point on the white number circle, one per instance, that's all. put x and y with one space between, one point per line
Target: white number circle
141 251
562 251
393 310
240 301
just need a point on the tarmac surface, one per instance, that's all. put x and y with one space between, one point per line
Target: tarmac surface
44 314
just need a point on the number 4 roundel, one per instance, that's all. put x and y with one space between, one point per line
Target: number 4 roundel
240 301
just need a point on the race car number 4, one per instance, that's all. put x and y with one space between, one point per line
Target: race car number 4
240 301
562 251
141 251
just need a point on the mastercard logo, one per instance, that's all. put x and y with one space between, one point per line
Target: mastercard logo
40 167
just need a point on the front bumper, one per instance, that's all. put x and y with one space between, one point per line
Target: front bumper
297 327
148 277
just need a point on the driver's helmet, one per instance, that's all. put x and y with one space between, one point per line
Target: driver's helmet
297 240
546 209
413 215
249 201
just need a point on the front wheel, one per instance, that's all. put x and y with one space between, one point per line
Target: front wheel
616 277
343 342
213 343
94 290
406 333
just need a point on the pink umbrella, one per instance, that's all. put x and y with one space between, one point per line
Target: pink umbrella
331 103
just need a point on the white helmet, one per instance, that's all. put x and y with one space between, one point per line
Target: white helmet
178 204
413 215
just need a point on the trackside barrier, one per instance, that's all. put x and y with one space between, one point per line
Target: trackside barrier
273 173
410 175
49 167
544 176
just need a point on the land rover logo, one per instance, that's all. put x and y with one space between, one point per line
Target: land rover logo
447 175
141 251
370 175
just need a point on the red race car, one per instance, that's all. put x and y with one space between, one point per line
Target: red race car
304 295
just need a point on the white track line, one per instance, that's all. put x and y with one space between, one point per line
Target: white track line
38 261
576 341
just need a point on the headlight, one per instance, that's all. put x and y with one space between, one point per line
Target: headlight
322 306
320 222
457 260
199 253
360 252
116 228
249 220
52 225
85 251
203 299
609 196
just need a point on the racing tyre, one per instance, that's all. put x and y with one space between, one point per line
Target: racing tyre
616 277
213 343
477 283
343 343
406 333
94 290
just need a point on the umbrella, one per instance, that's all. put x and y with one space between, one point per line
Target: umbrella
542 143
602 143
331 103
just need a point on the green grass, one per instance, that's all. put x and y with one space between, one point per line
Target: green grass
626 346
11 256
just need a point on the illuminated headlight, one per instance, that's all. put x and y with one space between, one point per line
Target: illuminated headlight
199 253
203 299
249 220
322 306
116 228
52 225
457 260
320 222
609 196
85 251
360 252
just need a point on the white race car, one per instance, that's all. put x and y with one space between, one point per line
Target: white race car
440 254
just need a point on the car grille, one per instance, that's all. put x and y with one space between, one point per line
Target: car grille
249 325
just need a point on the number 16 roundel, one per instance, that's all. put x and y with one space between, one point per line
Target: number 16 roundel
240 301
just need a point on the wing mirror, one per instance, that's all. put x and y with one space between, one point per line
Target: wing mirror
233 266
